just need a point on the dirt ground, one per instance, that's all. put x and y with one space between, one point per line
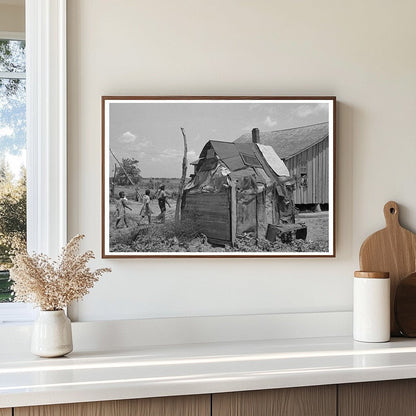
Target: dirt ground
317 224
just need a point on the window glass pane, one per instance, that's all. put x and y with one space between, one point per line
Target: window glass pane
5 291
12 161
12 56
13 122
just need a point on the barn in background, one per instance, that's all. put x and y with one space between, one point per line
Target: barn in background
305 151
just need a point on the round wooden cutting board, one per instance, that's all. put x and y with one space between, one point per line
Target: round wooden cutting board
405 306
393 250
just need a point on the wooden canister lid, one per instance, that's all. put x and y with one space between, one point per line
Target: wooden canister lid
372 275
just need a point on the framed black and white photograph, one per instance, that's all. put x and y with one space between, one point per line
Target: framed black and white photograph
218 176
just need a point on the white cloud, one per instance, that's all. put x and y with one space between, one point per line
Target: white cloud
16 162
6 131
171 153
269 122
306 110
142 143
191 155
127 137
177 154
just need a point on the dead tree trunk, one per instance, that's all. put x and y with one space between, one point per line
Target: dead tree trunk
113 183
183 178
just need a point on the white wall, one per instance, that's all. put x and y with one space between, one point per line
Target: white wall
361 51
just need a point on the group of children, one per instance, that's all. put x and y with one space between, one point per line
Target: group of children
146 211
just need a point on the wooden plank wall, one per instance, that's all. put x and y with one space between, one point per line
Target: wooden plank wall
211 213
246 212
316 159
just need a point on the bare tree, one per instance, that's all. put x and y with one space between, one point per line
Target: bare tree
183 178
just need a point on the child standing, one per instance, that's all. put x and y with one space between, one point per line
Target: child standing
146 211
162 201
121 209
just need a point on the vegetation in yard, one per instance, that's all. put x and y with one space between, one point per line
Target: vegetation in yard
185 235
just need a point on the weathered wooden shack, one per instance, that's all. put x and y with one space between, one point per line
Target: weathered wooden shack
238 188
306 154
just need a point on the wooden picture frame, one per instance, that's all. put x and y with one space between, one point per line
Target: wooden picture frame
218 176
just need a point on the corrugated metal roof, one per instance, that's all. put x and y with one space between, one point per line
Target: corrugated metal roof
290 142
234 163
241 158
245 148
224 149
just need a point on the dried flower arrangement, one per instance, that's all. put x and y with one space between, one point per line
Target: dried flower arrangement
53 285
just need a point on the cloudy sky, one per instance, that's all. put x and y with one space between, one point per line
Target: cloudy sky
150 132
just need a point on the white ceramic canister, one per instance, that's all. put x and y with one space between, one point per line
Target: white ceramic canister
371 322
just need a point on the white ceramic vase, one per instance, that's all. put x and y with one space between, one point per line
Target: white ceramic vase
52 334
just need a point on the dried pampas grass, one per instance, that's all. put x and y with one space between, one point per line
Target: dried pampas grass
53 285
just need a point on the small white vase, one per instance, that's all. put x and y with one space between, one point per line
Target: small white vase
52 334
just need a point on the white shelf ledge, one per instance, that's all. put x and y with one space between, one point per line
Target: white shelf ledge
152 371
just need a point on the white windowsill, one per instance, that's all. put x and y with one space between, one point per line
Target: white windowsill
16 313
12 35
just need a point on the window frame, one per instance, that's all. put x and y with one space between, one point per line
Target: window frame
46 138
46 125
14 312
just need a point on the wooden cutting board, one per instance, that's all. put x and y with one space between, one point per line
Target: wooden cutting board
393 250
